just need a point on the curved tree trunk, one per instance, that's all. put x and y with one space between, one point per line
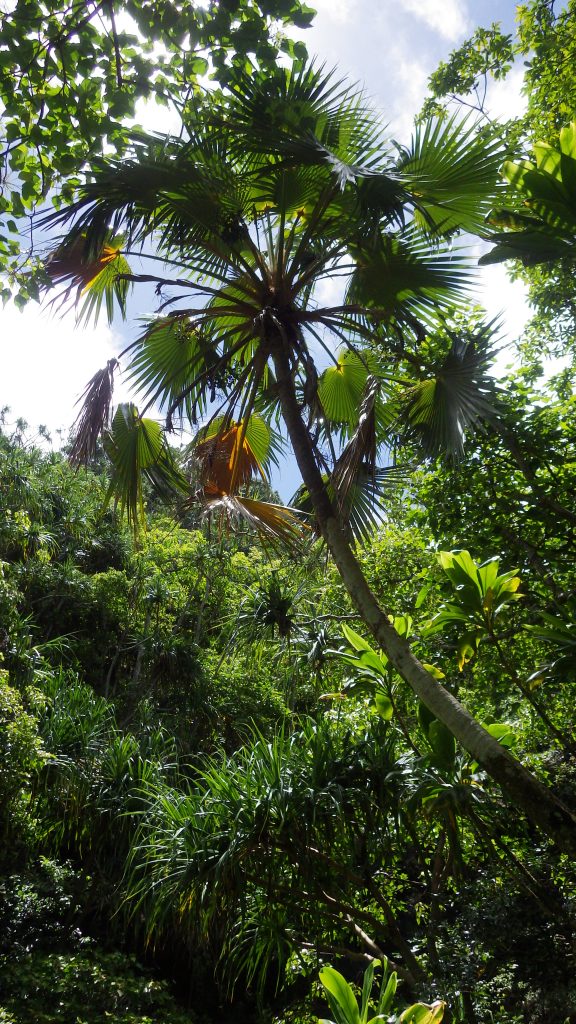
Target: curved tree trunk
538 802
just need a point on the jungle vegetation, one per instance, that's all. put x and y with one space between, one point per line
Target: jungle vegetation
273 761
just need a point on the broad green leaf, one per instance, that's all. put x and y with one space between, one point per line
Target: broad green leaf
367 983
459 566
387 995
357 642
420 1013
548 159
488 572
502 732
423 594
443 743
371 660
341 993
384 705
568 159
467 648
434 671
403 625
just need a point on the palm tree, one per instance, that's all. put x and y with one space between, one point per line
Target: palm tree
287 235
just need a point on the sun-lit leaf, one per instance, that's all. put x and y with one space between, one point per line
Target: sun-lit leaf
502 732
481 595
545 230
138 451
438 412
341 387
420 1013
383 705
340 995
95 278
452 173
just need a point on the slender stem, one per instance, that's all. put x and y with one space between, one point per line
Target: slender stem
566 742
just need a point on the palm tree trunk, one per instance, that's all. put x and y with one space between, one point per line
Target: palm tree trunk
538 803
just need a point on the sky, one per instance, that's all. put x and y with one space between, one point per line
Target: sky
391 46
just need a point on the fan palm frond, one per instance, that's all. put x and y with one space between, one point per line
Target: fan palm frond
305 115
231 454
173 366
451 172
162 190
364 507
99 277
340 387
438 411
275 525
401 280
137 450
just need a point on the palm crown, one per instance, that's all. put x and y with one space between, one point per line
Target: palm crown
286 185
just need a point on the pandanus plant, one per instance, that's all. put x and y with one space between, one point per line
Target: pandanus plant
300 264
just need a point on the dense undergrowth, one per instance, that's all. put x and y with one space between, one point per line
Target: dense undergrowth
210 785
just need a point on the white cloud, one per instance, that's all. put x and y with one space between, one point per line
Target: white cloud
47 362
335 10
410 79
508 301
505 97
447 17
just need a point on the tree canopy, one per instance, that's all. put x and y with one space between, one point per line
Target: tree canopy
544 43
71 76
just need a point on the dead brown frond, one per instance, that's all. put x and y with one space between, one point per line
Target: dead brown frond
94 415
226 461
275 525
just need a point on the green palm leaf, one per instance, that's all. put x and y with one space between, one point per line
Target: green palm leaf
305 115
109 286
451 172
137 450
100 277
340 387
364 507
438 411
173 365
401 279
163 190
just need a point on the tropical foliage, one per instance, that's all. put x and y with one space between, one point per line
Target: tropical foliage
102 63
203 764
219 798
